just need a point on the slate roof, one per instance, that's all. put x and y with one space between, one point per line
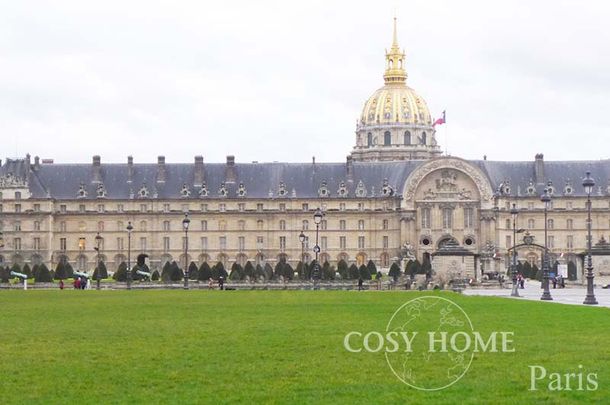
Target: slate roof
262 180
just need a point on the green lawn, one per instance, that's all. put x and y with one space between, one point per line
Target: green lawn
271 347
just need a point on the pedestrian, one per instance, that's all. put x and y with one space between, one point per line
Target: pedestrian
360 282
221 282
61 284
77 283
554 282
210 283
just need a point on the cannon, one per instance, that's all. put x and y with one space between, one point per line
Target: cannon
79 274
22 277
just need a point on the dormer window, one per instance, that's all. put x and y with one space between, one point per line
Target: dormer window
361 189
323 190
223 190
342 192
82 191
184 191
386 189
143 192
241 190
282 189
203 191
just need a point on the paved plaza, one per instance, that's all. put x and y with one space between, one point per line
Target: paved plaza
532 291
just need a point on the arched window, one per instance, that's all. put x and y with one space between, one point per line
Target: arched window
423 138
407 138
387 138
369 139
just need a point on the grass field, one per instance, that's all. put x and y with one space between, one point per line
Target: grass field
271 347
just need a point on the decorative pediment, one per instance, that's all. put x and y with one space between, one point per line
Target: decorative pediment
386 189
203 191
282 189
342 191
184 191
361 189
100 191
12 181
82 191
323 190
567 188
241 190
531 189
143 192
222 191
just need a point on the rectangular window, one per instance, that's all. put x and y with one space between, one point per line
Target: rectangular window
385 224
259 224
241 207
468 218
222 241
143 207
1 208
185 208
425 218
305 207
508 242
222 225
570 224
342 225
323 225
241 243
204 207
342 242
282 225
62 208
17 207
530 206
259 207
282 243
259 242
17 243
17 225
82 208
360 206
166 208
119 243
241 225
551 242
82 243
361 225
62 244
184 243
531 223
447 218
386 242
36 207
36 244
204 243
204 225
143 244
324 243
62 226
550 224
569 205
341 206
37 225
120 208
166 226
360 242
166 244
222 207
282 207
570 242
100 208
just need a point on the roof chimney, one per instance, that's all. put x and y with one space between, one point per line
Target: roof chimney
199 174
350 168
96 169
36 163
539 168
161 169
230 170
129 169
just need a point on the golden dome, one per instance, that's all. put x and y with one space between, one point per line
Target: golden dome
395 102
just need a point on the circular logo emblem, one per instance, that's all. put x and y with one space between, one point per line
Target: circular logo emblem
440 348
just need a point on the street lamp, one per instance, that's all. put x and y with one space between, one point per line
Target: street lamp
98 241
546 294
317 219
185 224
588 183
129 229
302 239
514 212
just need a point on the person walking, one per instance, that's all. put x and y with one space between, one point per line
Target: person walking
61 284
360 282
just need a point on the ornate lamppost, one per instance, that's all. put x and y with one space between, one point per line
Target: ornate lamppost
185 225
546 294
514 212
129 229
98 241
302 240
317 219
588 183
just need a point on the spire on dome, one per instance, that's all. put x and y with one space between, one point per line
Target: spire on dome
394 71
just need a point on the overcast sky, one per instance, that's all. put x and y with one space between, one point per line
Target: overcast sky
286 80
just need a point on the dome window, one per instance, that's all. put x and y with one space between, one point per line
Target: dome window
422 139
407 138
387 138
369 138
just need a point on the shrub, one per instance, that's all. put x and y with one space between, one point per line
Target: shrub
205 272
371 267
175 273
571 271
43 275
121 273
27 270
342 268
100 271
166 272
279 269
365 274
249 270
237 272
299 270
288 272
268 271
16 268
35 270
394 271
69 270
537 272
4 275
426 266
155 276
259 272
60 271
353 272
193 271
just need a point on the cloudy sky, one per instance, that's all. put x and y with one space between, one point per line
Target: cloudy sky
286 80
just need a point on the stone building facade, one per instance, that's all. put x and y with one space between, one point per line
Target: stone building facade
394 197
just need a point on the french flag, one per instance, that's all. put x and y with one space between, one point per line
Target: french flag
440 121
